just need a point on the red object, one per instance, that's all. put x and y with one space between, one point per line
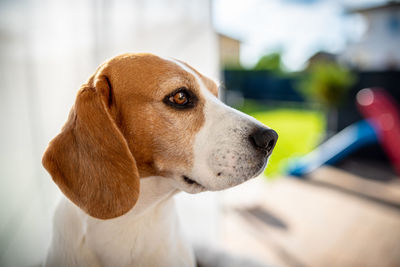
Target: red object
379 108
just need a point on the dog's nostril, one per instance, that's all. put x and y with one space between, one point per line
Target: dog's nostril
265 139
270 145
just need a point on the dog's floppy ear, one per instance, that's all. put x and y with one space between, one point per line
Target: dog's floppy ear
90 160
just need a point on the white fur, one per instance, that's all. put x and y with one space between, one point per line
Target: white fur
148 235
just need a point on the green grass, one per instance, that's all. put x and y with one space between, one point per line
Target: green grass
300 130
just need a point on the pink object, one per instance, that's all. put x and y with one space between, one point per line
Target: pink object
382 112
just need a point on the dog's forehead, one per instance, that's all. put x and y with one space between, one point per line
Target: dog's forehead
158 72
209 84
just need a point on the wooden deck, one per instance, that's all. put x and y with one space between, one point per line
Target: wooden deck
332 219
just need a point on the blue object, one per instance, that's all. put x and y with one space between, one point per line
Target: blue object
337 147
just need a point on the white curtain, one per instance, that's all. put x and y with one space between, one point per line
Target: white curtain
47 49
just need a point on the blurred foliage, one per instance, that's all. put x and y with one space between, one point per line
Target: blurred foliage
327 83
270 62
300 131
251 106
228 66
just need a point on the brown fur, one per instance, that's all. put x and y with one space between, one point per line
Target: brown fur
120 130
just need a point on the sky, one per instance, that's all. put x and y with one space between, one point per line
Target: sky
296 28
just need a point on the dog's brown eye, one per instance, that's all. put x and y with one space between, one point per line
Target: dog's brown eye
180 98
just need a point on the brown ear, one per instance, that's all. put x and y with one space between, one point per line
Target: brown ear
90 160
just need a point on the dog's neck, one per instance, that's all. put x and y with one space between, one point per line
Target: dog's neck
155 194
154 190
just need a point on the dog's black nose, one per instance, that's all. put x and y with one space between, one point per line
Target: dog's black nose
265 139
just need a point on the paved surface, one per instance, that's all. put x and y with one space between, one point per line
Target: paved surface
333 219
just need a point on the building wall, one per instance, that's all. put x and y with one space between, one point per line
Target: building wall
229 51
379 47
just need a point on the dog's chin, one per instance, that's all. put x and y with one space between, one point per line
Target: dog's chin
188 185
191 185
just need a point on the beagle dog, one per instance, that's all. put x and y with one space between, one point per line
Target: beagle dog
142 129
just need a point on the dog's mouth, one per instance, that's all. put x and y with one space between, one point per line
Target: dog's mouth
191 182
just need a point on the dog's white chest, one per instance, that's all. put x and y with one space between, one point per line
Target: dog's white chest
153 239
149 235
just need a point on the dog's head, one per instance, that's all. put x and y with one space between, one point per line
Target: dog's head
140 115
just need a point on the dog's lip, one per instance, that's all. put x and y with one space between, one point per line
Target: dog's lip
191 181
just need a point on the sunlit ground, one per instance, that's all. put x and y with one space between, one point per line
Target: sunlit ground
300 130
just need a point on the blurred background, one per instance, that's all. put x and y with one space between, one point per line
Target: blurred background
331 193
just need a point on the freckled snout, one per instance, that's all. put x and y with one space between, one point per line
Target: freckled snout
264 139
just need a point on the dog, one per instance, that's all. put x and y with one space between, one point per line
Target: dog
142 129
